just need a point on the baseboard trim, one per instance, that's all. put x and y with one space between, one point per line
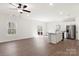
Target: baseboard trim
15 40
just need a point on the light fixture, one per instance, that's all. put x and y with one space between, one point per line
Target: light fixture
21 8
50 4
20 11
61 13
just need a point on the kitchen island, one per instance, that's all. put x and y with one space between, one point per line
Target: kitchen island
55 37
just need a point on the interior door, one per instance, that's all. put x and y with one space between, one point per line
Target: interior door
40 30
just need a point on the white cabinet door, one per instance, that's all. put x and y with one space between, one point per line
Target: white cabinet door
55 38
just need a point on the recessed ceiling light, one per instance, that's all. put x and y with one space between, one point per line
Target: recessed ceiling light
50 4
61 13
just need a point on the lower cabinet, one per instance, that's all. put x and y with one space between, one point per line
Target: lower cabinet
55 37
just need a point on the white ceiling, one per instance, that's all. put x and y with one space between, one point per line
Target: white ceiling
45 12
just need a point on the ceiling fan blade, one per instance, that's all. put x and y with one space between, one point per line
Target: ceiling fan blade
19 5
25 6
27 11
13 5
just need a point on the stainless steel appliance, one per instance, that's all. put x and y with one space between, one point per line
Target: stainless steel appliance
71 31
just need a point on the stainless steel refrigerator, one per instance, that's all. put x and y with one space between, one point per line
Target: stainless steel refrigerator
71 32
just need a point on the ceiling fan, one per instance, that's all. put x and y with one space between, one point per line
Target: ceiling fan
21 7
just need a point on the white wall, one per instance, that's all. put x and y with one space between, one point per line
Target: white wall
51 26
77 27
25 28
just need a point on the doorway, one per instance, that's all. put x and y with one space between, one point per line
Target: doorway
39 30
